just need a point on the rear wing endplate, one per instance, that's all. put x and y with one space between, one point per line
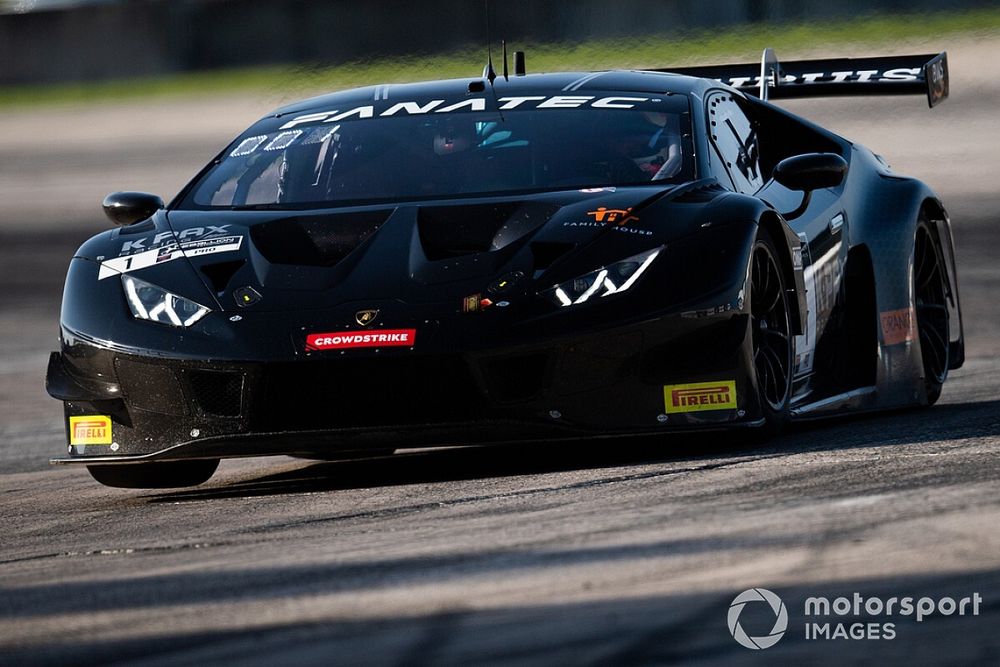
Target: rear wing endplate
887 75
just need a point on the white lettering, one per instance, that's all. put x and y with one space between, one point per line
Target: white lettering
412 108
901 74
565 101
617 102
360 112
474 104
925 606
514 102
308 118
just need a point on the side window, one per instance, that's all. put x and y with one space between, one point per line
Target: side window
734 139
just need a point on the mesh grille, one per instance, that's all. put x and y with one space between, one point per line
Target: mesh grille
366 392
516 378
217 393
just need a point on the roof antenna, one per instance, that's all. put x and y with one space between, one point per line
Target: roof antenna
489 72
505 76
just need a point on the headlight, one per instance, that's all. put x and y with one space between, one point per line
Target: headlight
149 302
612 279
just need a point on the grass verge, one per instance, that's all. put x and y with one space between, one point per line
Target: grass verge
849 37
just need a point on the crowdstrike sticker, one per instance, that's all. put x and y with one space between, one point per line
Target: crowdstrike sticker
344 340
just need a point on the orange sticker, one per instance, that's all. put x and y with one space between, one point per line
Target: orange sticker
619 216
898 326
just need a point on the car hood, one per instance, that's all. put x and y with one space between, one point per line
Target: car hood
417 253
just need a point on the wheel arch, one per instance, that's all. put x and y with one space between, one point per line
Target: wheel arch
779 231
884 217
933 210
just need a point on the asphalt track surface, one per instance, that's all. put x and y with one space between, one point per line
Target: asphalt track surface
620 553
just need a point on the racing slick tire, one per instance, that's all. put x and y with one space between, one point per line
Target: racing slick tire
161 475
930 294
770 322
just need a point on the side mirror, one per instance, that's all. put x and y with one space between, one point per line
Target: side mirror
811 171
126 208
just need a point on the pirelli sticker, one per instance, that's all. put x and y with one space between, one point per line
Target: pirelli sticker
700 396
90 430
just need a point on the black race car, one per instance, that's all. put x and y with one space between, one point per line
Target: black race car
511 259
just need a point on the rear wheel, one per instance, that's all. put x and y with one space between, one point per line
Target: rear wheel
931 296
160 475
771 331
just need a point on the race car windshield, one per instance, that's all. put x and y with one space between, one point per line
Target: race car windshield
437 156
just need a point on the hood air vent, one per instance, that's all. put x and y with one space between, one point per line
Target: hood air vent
453 231
545 253
700 195
321 240
220 273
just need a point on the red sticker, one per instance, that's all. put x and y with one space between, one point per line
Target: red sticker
343 340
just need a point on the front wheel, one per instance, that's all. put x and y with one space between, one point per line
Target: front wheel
771 332
159 475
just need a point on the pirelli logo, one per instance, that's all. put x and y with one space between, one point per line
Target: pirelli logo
90 430
700 396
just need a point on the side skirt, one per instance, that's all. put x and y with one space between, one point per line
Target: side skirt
850 401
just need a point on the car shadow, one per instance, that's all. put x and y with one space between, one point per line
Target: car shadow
661 628
942 422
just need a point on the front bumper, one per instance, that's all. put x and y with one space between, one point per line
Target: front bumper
607 383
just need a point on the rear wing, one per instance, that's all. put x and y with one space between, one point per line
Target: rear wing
887 75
